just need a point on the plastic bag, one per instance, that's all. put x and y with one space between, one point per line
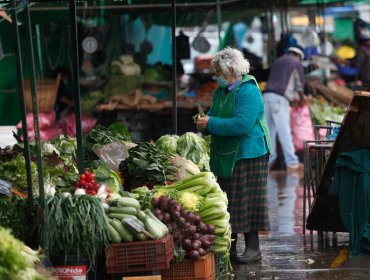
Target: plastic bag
46 120
46 134
68 124
301 126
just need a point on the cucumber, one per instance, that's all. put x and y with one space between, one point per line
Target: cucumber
125 234
114 236
123 210
137 235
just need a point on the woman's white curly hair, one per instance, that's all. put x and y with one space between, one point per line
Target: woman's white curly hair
231 59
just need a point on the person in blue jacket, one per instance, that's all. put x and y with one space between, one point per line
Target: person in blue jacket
240 148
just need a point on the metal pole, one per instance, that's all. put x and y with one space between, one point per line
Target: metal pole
271 54
219 22
323 28
76 83
26 148
174 69
42 211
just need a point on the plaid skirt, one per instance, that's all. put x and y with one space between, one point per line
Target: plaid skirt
246 191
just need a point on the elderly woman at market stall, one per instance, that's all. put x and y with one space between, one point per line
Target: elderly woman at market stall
240 149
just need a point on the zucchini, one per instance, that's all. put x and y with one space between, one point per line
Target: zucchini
137 235
114 236
128 202
120 216
153 228
160 224
141 215
125 234
123 210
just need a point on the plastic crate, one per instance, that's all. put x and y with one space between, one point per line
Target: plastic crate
202 269
140 256
221 266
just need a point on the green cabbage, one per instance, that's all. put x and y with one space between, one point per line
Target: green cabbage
168 143
194 148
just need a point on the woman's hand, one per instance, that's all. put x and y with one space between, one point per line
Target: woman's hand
202 122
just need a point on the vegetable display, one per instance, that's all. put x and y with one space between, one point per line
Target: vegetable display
100 136
147 163
185 168
188 230
14 171
13 216
168 143
91 187
194 148
213 209
17 260
322 110
127 222
171 192
76 225
105 175
189 146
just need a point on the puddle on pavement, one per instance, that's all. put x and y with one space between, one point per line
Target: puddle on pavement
287 253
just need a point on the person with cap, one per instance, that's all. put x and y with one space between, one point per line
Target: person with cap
284 88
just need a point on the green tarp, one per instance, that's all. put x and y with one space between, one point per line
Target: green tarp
352 186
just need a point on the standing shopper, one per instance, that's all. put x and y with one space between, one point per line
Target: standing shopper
285 87
240 147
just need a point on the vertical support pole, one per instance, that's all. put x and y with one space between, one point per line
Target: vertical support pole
174 68
19 68
219 23
271 38
42 209
38 37
281 10
76 83
323 27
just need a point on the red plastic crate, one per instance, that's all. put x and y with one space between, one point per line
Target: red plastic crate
140 256
202 269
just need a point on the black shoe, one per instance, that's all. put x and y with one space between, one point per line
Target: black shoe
233 251
249 258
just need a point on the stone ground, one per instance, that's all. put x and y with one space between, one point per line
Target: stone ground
287 253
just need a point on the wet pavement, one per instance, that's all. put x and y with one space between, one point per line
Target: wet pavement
287 253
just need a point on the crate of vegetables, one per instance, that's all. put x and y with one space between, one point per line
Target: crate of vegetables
187 269
140 256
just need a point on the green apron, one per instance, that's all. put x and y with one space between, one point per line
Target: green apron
225 149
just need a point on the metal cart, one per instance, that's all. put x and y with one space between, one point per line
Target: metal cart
316 153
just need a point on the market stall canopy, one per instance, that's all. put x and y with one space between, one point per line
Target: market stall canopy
189 12
315 2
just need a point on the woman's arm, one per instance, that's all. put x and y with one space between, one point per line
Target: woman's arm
247 107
